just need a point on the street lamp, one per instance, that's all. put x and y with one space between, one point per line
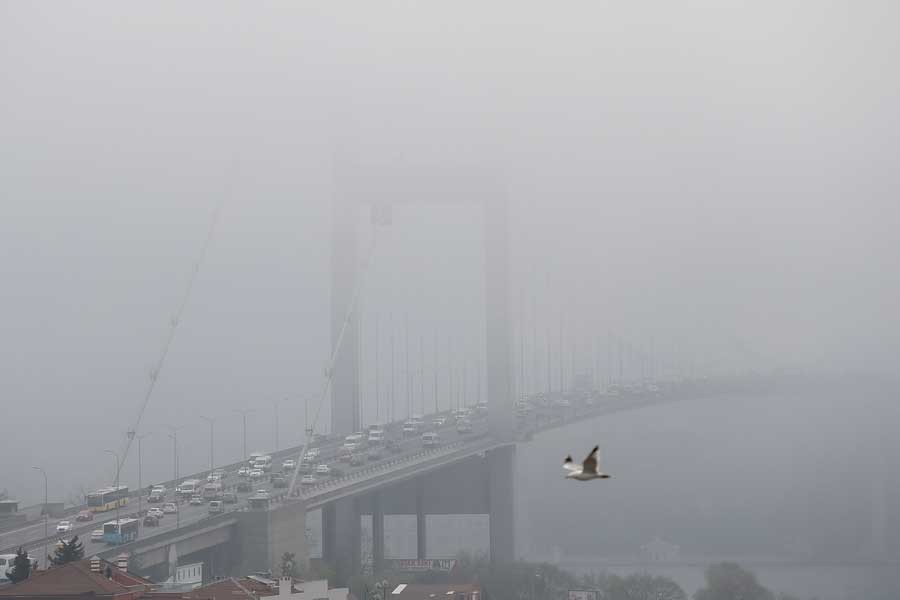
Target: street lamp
211 422
174 436
140 479
244 412
44 473
115 456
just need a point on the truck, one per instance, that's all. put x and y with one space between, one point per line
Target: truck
263 462
189 487
212 491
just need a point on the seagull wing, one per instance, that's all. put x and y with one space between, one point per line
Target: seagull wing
569 465
590 463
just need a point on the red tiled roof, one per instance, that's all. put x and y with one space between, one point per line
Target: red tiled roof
76 578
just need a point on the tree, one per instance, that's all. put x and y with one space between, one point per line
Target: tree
67 551
288 565
21 568
643 586
728 581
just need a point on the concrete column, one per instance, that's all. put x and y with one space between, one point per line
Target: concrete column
344 390
501 503
265 535
499 376
329 516
377 533
421 534
341 538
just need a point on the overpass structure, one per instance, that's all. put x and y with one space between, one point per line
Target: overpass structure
416 481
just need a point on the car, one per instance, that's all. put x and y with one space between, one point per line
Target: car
308 479
464 426
155 512
64 527
306 467
311 454
261 493
289 465
323 469
410 428
279 481
159 488
349 446
85 515
393 446
97 535
156 496
216 507
431 440
195 501
344 454
151 521
229 498
243 487
213 477
357 459
244 471
256 473
439 422
169 508
376 453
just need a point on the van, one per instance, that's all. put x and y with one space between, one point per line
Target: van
263 463
216 507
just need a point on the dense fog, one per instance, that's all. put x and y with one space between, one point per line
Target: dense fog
713 182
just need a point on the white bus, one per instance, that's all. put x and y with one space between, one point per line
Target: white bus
6 564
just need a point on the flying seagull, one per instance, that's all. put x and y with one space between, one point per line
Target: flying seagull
586 470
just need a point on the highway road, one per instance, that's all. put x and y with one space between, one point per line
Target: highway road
541 415
31 536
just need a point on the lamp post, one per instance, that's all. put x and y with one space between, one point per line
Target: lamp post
174 436
211 422
244 412
140 467
115 456
44 473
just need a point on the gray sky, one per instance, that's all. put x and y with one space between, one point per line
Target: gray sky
695 174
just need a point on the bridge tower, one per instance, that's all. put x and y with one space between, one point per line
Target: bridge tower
355 188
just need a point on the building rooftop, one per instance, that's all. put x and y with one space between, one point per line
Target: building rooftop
440 591
77 579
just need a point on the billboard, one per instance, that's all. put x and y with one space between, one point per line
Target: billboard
583 595
414 565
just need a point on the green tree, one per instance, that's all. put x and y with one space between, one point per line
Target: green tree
21 567
643 586
288 565
728 581
67 551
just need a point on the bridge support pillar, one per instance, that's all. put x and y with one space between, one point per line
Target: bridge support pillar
421 534
342 537
377 533
501 503
265 535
